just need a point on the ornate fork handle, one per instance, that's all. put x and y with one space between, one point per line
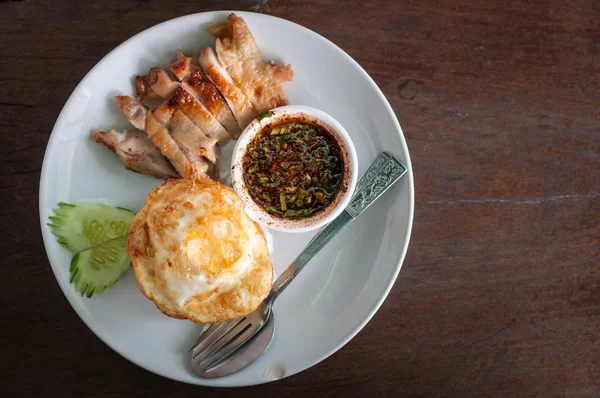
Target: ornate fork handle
381 175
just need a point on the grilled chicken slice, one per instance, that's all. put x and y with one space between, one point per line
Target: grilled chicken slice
196 111
162 83
135 149
240 105
182 66
193 79
185 160
179 54
259 81
145 93
188 165
166 115
155 88
188 135
134 111
158 87
214 102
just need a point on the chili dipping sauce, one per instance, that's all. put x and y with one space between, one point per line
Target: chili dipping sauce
293 170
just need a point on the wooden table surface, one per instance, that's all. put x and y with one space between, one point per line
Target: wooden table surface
499 294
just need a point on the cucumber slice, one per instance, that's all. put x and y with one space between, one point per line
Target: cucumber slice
95 269
84 225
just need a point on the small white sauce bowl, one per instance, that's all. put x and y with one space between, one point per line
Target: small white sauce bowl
341 199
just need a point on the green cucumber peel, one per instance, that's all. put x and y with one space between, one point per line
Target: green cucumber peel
96 269
97 234
81 226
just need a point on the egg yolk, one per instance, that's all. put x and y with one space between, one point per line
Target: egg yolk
212 247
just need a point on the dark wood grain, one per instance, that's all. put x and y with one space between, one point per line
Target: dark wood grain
500 104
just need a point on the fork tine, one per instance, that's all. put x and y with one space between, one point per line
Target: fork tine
206 333
214 337
226 350
209 334
206 327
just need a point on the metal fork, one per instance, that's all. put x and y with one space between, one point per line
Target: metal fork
220 344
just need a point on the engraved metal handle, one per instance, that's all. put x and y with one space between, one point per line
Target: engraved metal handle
381 175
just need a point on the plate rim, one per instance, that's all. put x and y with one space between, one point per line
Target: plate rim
46 236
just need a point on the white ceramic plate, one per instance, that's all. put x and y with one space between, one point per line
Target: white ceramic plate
335 295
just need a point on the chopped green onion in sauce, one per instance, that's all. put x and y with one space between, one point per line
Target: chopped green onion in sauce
293 170
264 115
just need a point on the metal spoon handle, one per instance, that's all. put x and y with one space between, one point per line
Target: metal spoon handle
381 175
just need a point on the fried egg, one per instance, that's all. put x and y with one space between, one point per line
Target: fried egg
197 254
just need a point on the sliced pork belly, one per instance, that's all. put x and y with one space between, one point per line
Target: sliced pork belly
237 51
135 149
193 79
238 102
